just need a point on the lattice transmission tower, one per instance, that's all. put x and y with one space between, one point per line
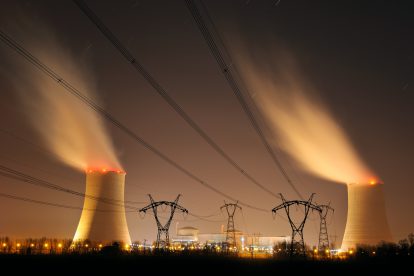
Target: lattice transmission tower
323 244
163 237
230 232
297 244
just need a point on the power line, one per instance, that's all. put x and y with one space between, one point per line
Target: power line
215 214
38 182
34 145
215 51
31 167
17 175
101 111
163 93
198 218
25 199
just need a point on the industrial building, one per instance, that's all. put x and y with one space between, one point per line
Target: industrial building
190 236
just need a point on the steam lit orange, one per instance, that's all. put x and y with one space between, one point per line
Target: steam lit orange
302 124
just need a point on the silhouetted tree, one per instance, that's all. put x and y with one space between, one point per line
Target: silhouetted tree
404 246
114 249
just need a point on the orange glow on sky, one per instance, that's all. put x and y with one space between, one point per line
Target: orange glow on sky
374 181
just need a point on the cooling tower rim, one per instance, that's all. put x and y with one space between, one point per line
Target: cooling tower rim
369 184
104 171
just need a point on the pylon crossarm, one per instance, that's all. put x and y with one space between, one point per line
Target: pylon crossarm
182 209
144 210
325 210
280 206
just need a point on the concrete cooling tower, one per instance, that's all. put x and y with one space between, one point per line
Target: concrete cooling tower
367 221
110 225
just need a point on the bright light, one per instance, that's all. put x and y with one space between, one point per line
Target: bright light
32 245
4 244
100 245
86 245
351 252
60 245
127 246
372 182
315 250
46 245
327 251
18 245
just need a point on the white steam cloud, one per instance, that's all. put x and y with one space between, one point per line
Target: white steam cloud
302 123
74 132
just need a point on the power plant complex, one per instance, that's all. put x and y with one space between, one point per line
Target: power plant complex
366 221
103 215
289 113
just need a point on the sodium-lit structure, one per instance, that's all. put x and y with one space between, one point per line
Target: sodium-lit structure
103 216
366 221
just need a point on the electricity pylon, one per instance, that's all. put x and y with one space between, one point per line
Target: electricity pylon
230 233
297 244
323 230
163 238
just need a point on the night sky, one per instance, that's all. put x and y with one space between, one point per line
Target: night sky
357 56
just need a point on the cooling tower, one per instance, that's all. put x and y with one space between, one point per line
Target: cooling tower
109 224
367 221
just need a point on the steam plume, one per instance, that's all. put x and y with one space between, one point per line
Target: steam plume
73 132
302 123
